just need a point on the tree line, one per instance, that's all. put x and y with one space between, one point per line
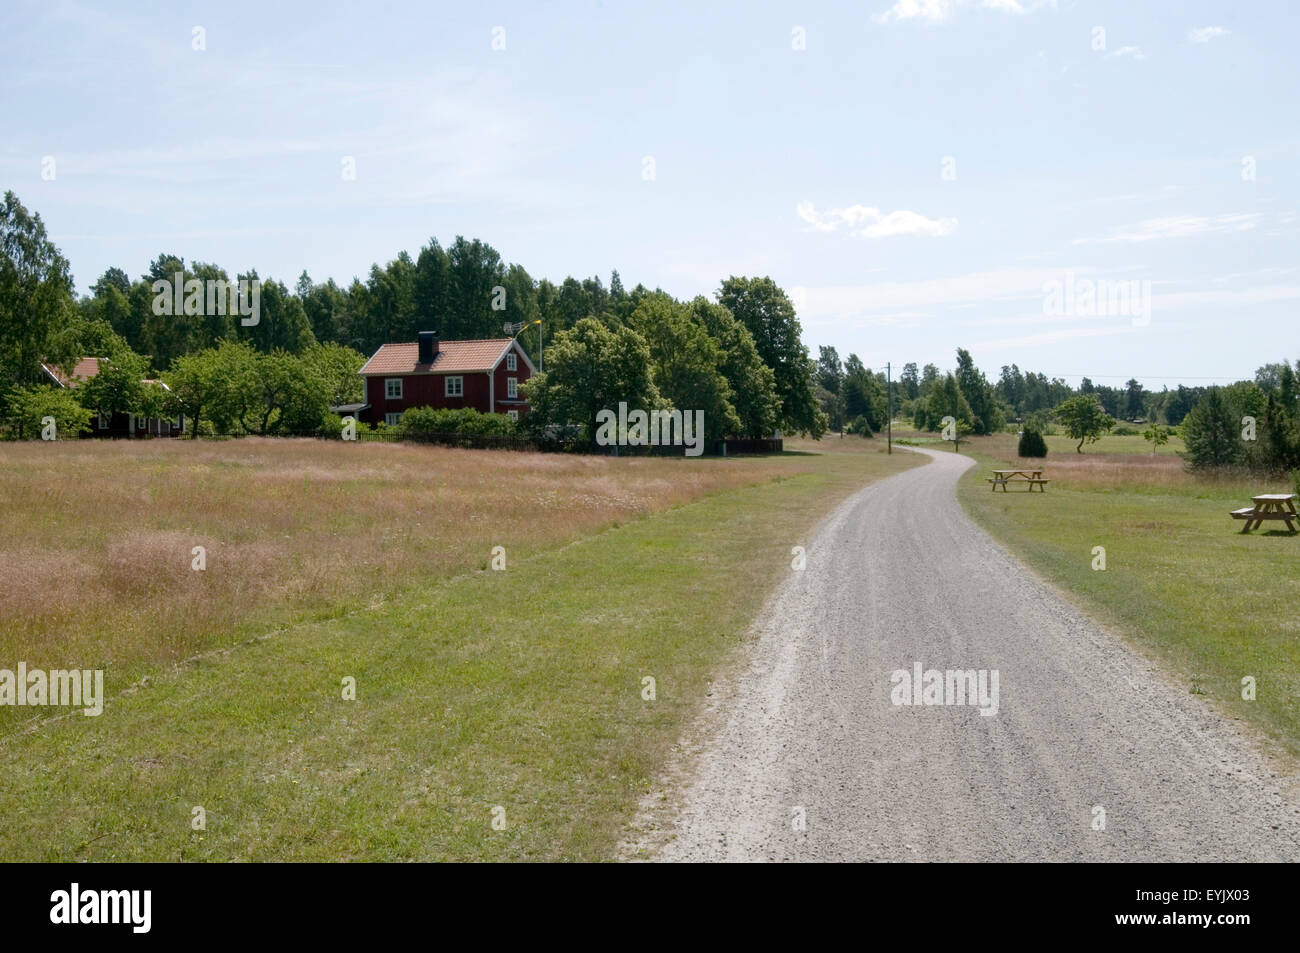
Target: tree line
1251 424
740 357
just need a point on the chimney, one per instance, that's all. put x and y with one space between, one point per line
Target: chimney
428 346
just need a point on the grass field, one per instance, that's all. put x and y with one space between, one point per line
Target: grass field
476 690
1181 582
98 536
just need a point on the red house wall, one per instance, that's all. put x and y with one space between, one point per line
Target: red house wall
521 374
429 390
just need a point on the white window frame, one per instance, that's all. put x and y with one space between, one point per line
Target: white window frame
512 388
459 390
513 415
512 362
392 420
388 388
103 420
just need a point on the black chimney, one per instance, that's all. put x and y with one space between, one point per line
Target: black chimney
428 346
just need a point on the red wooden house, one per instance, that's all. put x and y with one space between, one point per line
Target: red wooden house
115 424
483 375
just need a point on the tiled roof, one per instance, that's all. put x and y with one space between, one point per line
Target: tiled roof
453 357
86 368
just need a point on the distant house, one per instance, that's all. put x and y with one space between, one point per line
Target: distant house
484 375
115 425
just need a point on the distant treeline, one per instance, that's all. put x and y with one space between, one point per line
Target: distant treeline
1252 424
738 357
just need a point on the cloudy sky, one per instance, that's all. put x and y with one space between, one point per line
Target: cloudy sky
918 175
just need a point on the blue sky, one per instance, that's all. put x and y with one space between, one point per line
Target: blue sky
1074 154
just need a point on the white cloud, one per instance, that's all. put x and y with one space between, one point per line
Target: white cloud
922 297
939 10
1133 51
1051 337
1205 34
866 222
1176 226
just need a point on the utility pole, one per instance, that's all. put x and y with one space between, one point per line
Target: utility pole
889 406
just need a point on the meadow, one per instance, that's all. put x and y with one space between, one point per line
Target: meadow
1181 582
98 536
496 715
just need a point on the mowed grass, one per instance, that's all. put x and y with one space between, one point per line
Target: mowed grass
519 690
1181 581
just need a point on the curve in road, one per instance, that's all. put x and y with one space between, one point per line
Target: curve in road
811 758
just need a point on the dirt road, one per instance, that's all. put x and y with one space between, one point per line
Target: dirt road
808 757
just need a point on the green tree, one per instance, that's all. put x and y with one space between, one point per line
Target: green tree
910 380
338 367
1212 432
753 385
1279 437
686 363
1032 444
293 395
929 376
220 385
282 322
118 388
945 399
828 387
864 395
590 368
36 298
1084 419
1134 399
766 310
31 407
475 269
986 417
1157 435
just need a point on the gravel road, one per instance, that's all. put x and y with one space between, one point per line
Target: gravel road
804 756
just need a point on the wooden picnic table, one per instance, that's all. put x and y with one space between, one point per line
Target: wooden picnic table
1030 475
1268 506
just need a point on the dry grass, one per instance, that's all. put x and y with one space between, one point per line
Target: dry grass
96 539
1118 464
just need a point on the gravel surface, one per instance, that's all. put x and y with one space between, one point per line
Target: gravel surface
805 727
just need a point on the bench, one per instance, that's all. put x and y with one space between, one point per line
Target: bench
1268 506
1002 481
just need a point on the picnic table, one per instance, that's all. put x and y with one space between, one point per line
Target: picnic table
1268 506
1033 476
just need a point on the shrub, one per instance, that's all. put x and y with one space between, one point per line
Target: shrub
331 425
861 427
1124 430
1211 432
1032 444
29 408
461 422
